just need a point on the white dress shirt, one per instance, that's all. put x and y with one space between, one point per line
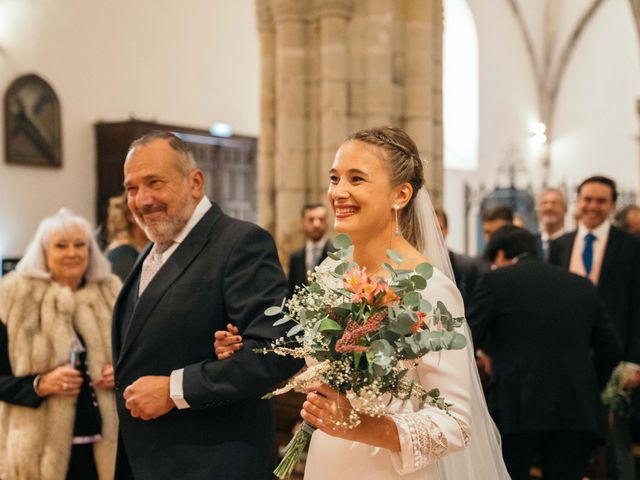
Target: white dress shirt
176 392
601 232
308 251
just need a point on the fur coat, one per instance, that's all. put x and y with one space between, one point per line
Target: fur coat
40 317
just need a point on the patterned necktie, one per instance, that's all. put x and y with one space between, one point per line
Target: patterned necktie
152 264
587 252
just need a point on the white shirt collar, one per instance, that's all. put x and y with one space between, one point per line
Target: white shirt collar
545 237
600 232
203 207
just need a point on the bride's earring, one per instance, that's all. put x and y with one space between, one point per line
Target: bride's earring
397 232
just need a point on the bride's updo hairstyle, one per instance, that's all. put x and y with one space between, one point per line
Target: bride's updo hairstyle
401 156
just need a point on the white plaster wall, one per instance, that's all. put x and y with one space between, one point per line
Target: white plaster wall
191 63
595 121
597 125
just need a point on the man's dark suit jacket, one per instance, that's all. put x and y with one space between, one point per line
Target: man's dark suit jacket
298 269
553 347
225 271
618 285
466 271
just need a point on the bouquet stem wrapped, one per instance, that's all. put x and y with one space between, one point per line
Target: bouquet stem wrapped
294 450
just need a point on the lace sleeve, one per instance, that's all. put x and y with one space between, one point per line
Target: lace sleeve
429 434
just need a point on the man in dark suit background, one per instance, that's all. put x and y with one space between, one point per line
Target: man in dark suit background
552 208
465 268
610 258
183 414
553 348
628 219
313 223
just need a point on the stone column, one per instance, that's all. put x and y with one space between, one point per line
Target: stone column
378 88
423 86
266 141
290 18
333 74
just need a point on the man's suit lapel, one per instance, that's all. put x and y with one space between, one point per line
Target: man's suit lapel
610 253
565 260
186 252
129 283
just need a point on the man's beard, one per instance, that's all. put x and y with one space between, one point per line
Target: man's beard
551 219
161 231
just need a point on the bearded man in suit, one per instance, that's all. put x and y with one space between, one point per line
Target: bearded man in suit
610 258
313 223
184 414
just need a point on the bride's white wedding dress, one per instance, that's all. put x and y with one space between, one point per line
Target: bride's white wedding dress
429 437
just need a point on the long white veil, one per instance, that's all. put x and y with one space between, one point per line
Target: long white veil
482 459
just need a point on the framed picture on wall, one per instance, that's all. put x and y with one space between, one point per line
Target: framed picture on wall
32 123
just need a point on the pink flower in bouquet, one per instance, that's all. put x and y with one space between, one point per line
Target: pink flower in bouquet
355 279
367 293
389 297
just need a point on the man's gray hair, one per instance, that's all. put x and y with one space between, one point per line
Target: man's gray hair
554 190
186 163
34 262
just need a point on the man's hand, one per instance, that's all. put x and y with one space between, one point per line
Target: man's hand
148 397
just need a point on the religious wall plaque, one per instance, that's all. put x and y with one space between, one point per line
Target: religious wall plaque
32 123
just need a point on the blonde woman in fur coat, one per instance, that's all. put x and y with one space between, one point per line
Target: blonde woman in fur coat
57 407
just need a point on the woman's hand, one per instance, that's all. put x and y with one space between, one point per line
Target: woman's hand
328 411
64 380
227 342
107 381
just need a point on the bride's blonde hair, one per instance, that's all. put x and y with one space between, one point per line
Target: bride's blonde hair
405 166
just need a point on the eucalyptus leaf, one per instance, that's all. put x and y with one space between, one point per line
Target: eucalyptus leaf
333 256
394 256
404 272
296 329
342 241
425 270
342 268
403 324
459 342
381 346
425 306
411 299
273 311
390 269
282 321
419 283
406 285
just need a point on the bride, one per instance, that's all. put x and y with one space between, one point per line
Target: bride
377 192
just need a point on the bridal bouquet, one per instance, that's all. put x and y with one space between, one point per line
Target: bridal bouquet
362 335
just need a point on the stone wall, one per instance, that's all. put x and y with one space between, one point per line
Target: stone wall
330 67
